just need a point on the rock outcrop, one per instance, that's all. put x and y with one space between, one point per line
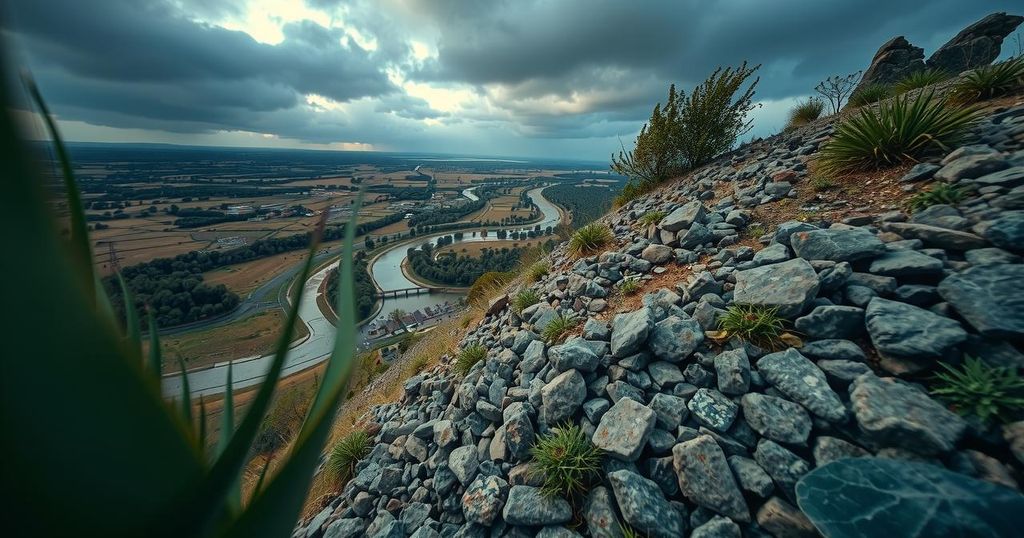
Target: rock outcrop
977 45
894 60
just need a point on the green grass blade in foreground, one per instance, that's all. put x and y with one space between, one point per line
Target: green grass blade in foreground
202 424
131 317
79 228
227 468
274 511
68 378
227 428
186 395
154 346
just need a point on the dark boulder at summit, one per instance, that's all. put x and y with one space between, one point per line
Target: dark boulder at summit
976 45
894 60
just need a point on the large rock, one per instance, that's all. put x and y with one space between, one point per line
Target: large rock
643 505
630 330
574 354
657 254
1007 231
894 60
673 338
906 263
831 321
519 434
894 414
788 286
934 236
599 513
484 499
803 382
683 217
976 45
781 464
837 244
526 505
563 396
713 409
908 335
624 429
989 298
706 479
777 419
464 463
783 520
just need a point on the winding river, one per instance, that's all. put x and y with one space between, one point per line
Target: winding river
386 270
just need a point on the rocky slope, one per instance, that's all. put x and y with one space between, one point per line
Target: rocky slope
706 437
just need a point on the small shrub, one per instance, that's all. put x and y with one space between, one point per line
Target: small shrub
557 328
589 239
990 81
714 115
629 286
632 190
805 112
568 461
536 271
418 363
820 183
758 325
524 299
899 130
487 286
940 193
468 357
756 230
652 217
983 391
347 453
870 94
920 79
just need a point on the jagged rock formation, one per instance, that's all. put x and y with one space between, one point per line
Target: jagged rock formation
703 437
976 45
894 60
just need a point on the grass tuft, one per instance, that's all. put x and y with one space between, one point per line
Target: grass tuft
980 390
805 112
557 328
589 239
629 286
468 358
821 183
524 299
920 79
898 131
568 461
536 271
347 453
652 217
758 325
940 193
990 81
870 94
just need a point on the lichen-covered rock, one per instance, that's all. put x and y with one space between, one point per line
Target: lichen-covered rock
629 331
894 414
713 409
706 479
803 382
902 331
643 505
989 298
624 429
673 339
484 498
528 506
563 396
777 419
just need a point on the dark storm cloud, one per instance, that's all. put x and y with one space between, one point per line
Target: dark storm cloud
407 106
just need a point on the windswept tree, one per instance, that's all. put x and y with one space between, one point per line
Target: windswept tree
712 118
836 89
653 157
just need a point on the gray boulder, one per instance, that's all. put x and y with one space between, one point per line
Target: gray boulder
893 414
683 217
788 286
599 513
644 507
706 478
803 382
777 419
829 321
976 45
484 498
837 244
526 505
563 396
893 61
989 298
906 263
713 409
673 339
630 330
624 429
901 331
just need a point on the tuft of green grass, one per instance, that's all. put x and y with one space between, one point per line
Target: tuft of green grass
634 189
568 461
589 239
537 271
940 193
347 453
629 286
821 183
920 79
870 94
468 357
899 130
761 326
805 112
524 299
977 389
652 217
990 81
557 328
756 230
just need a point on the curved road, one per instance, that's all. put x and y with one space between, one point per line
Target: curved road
386 271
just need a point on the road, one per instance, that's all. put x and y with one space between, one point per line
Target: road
387 273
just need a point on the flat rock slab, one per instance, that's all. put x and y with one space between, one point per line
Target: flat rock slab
624 429
906 263
894 414
989 298
674 338
788 286
902 330
803 382
837 244
630 331
933 236
526 505
683 217
777 419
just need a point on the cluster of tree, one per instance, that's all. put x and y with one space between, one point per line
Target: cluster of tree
115 193
585 203
461 270
445 215
690 130
403 193
364 289
173 290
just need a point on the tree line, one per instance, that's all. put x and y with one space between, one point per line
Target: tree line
364 289
585 203
461 270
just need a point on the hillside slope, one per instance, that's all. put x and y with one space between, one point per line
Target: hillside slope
703 432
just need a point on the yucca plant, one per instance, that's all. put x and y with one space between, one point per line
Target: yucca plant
652 217
940 193
759 325
93 447
567 460
977 389
524 299
869 94
536 271
920 79
990 81
805 112
590 239
347 453
557 328
899 130
468 357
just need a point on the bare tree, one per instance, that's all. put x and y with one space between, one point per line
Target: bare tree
837 88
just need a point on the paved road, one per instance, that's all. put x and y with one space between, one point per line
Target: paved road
386 271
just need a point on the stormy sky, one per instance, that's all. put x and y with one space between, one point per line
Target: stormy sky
543 78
